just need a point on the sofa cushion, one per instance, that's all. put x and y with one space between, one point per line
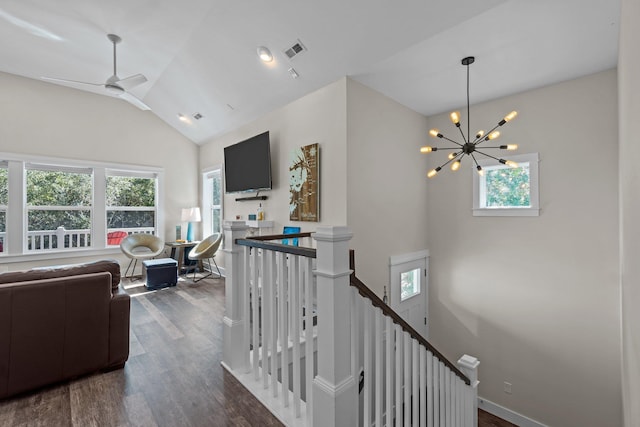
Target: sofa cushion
52 272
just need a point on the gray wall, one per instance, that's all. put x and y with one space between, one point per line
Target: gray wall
536 299
629 90
386 182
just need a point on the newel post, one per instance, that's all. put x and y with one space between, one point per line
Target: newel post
335 398
234 355
469 366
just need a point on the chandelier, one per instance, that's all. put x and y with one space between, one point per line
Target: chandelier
470 147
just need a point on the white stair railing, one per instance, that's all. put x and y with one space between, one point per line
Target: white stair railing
275 294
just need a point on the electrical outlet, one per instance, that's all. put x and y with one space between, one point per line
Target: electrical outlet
507 387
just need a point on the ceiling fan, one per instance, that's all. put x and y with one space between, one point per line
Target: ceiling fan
114 84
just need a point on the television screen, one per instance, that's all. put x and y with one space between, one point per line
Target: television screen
247 165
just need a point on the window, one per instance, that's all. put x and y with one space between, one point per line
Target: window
507 191
4 199
409 284
212 201
52 205
58 207
131 204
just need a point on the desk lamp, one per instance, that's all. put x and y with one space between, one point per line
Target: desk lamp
191 215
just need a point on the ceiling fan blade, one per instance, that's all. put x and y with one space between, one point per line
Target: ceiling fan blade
134 101
70 82
132 81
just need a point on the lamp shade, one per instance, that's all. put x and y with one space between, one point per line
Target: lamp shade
191 214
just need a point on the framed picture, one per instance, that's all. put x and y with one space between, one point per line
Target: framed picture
304 184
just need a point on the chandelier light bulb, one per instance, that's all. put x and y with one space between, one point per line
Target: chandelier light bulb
435 133
427 149
512 115
455 165
452 156
433 172
493 135
510 147
480 170
455 118
480 134
512 164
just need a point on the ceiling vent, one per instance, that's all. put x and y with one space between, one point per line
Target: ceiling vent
197 116
295 50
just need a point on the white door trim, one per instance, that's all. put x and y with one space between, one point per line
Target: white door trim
412 256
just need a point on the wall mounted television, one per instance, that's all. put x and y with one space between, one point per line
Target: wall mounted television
247 165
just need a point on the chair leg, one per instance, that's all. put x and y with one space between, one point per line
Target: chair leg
204 276
126 272
214 261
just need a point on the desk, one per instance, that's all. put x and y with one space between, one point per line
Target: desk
181 246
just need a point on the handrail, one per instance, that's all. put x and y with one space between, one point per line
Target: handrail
260 242
388 311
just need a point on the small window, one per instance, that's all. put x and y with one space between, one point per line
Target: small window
409 284
507 191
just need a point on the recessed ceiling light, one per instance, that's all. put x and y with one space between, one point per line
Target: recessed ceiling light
265 54
183 118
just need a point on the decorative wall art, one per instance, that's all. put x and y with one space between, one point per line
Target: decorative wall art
304 184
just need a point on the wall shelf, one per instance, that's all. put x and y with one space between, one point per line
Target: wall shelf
244 199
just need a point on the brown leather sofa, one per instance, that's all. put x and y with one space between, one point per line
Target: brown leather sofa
60 322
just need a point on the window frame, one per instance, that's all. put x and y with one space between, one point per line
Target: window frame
207 200
15 242
47 167
534 198
132 174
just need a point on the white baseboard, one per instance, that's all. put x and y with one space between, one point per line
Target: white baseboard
507 414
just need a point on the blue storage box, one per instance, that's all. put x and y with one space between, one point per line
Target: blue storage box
160 273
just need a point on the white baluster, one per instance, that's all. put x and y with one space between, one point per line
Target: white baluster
430 391
247 304
378 360
415 372
283 295
423 386
296 318
407 379
368 366
355 305
443 394
399 374
273 322
450 401
436 392
390 336
265 315
458 393
309 344
255 308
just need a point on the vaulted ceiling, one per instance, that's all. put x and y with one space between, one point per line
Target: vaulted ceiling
199 56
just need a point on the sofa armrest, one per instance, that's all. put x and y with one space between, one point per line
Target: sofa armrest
119 328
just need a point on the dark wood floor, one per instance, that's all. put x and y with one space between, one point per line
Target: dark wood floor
173 376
